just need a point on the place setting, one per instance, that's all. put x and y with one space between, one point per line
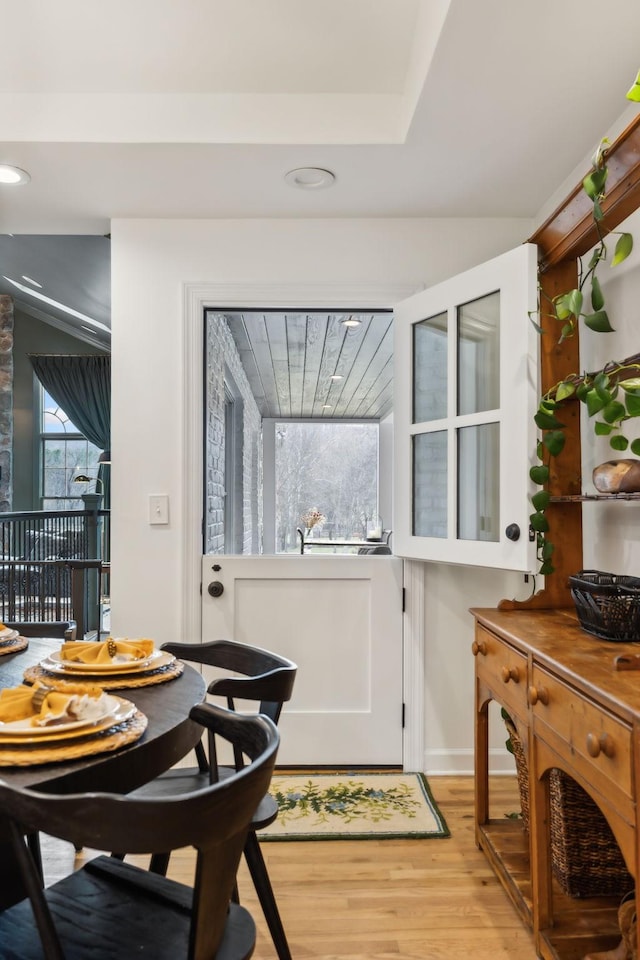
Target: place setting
11 641
39 724
114 664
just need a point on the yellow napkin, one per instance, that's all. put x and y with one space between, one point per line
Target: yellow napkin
106 650
17 703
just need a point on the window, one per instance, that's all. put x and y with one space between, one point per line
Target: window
64 453
329 467
464 429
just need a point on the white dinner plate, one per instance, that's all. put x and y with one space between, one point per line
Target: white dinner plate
7 634
116 710
55 664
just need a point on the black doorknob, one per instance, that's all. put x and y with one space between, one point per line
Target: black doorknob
215 589
513 532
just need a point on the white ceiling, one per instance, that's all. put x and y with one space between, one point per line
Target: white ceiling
198 108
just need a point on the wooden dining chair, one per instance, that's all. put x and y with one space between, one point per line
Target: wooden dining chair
110 909
267 679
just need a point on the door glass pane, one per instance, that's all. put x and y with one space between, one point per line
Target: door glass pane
479 354
478 482
430 484
430 369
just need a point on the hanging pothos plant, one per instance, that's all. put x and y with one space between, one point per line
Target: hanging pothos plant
612 394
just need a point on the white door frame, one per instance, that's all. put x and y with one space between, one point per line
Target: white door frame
197 297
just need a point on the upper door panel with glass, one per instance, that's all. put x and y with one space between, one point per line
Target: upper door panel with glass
464 430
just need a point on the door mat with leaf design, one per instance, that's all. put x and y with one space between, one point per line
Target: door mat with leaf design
353 806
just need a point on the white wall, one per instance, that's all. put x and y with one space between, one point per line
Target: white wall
150 262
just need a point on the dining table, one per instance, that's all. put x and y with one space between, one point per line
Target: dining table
169 735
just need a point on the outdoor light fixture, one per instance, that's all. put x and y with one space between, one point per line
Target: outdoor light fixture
352 322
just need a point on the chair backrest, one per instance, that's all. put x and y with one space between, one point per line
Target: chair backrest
214 820
267 678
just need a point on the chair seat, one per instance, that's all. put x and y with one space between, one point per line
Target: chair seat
120 899
187 779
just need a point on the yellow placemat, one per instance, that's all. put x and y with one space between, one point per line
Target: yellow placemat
125 681
13 646
104 742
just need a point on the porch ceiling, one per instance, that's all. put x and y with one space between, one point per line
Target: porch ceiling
290 359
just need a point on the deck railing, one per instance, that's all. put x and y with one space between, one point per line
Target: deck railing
41 574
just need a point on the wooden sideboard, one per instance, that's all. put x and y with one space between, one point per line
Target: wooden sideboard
576 712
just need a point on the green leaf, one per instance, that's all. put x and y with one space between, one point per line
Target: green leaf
624 246
597 299
547 421
539 522
594 402
630 385
596 257
568 304
632 403
618 442
594 182
554 442
540 500
564 390
546 569
634 92
597 211
602 429
536 325
582 391
547 549
539 474
614 411
567 331
598 321
635 447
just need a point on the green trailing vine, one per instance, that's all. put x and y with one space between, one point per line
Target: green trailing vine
612 394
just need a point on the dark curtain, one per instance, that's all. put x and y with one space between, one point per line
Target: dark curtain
81 385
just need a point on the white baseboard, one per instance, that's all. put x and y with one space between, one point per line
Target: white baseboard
460 763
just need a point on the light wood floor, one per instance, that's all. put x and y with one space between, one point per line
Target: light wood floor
381 900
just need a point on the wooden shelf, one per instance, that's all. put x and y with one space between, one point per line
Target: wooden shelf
581 925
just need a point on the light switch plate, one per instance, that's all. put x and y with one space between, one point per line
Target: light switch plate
159 509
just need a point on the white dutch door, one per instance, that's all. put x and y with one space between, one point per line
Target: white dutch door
340 619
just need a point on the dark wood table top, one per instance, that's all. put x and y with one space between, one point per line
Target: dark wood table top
169 736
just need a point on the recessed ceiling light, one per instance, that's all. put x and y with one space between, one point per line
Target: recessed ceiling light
310 178
327 406
336 376
13 175
352 322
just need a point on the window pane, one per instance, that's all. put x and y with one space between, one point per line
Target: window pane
478 355
331 468
478 484
430 484
430 369
65 454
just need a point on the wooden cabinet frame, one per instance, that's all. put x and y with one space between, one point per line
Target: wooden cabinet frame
564 237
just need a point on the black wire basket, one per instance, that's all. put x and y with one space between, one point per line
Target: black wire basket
607 604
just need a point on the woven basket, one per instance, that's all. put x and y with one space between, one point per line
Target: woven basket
607 604
585 857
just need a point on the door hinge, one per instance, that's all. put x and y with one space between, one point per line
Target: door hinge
403 714
404 599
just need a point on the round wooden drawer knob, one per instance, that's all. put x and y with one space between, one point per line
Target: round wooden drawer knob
510 673
600 743
479 646
538 695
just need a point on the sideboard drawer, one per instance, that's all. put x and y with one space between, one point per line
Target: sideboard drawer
594 743
503 669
